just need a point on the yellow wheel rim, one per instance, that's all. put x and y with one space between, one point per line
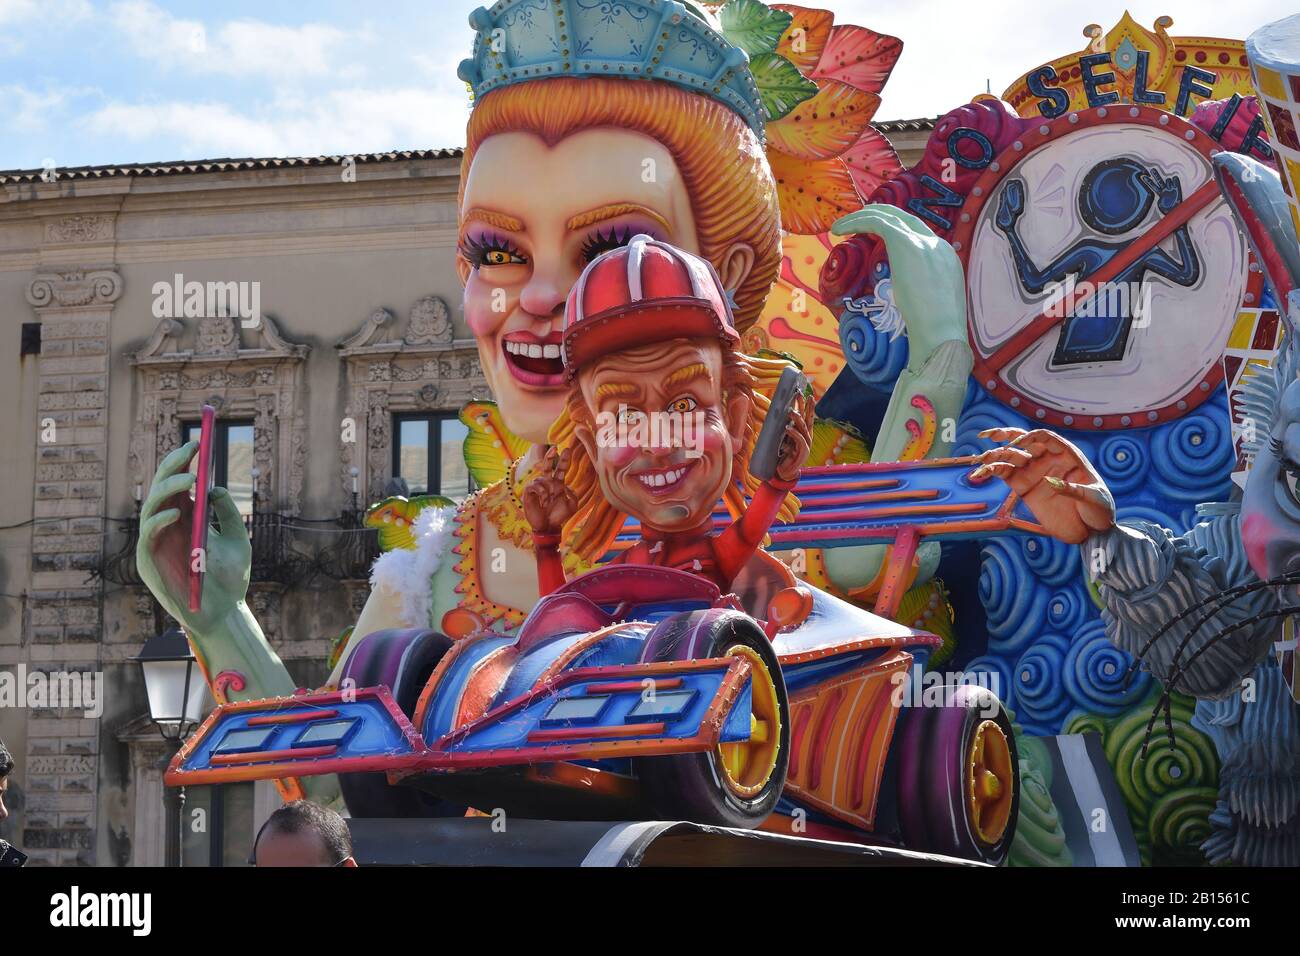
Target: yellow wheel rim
747 765
990 782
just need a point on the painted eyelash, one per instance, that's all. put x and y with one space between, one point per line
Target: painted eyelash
1275 446
473 250
603 240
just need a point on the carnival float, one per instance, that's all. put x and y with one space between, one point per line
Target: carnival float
985 545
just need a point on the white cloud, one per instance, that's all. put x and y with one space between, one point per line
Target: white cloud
207 129
30 111
235 48
342 121
13 11
20 17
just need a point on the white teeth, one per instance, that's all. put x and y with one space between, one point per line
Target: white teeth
663 478
532 350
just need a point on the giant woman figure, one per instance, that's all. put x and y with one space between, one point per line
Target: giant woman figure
592 122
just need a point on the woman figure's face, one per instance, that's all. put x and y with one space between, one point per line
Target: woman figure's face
533 217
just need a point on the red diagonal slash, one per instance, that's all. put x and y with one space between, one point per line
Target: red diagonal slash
1044 323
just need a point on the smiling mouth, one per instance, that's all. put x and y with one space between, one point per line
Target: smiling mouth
663 480
534 360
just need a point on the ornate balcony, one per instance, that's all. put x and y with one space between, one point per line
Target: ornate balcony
349 557
274 558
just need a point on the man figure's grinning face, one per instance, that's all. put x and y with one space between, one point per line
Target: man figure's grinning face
669 481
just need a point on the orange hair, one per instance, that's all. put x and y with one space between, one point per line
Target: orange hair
593 527
733 194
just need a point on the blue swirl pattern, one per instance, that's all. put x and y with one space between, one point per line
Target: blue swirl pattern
869 354
1192 457
1095 670
1045 636
1015 612
1041 699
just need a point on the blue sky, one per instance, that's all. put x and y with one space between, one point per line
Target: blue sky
107 81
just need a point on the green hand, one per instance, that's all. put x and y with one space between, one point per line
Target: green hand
163 557
928 282
929 289
224 633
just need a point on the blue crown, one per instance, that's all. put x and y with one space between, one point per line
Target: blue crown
522 40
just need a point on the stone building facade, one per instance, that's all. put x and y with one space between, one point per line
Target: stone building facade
360 325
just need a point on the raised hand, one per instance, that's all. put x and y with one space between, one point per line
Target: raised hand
926 276
162 554
1011 204
797 440
1053 478
1168 190
548 501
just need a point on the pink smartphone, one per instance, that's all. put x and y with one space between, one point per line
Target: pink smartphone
199 528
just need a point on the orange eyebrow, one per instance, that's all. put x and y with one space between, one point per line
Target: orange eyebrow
615 389
686 373
611 211
497 219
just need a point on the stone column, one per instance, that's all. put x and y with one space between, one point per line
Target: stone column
75 307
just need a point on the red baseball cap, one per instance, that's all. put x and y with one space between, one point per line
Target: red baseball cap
646 291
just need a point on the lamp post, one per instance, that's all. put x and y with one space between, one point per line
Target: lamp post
175 689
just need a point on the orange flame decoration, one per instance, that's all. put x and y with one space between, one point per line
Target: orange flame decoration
826 158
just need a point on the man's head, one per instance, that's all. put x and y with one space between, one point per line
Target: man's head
6 768
303 833
662 425
663 410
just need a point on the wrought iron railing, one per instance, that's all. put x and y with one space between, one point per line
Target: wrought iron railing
274 557
350 556
351 549
119 567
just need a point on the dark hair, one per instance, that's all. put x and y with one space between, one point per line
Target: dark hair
301 815
6 761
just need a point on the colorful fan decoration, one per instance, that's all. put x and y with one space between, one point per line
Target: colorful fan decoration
824 153
490 446
394 518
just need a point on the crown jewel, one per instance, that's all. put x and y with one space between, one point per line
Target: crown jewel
521 40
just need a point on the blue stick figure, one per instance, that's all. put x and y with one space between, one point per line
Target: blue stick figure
1115 198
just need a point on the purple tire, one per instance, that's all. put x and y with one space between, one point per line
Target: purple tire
958 784
402 661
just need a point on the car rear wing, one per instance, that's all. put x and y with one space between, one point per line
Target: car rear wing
898 503
585 714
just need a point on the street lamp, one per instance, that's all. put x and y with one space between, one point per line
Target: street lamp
175 689
172 681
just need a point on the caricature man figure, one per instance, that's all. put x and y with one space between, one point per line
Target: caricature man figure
661 419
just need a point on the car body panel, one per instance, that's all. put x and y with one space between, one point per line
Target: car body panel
554 697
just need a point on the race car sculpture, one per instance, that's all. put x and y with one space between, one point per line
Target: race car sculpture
643 692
